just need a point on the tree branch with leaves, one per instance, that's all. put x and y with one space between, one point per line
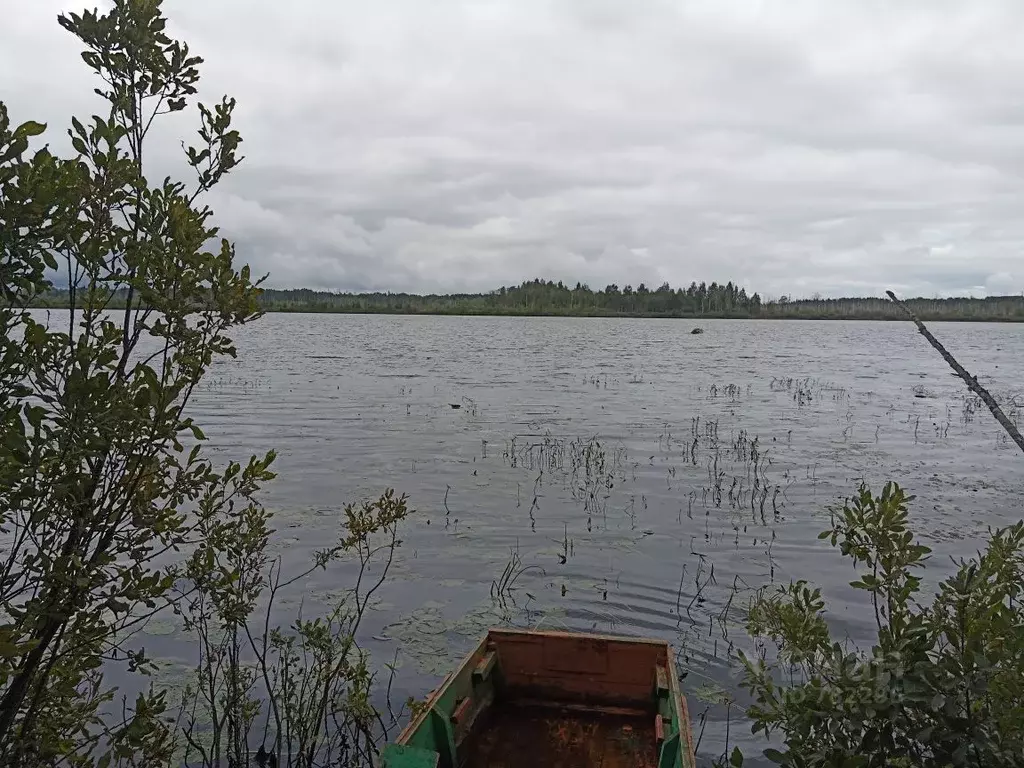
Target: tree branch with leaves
97 482
942 685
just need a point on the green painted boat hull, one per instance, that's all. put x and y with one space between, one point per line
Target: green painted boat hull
551 699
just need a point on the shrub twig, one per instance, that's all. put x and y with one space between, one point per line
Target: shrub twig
969 380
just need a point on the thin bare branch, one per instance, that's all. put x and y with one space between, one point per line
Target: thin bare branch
963 373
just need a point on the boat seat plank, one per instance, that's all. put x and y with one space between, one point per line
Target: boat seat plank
662 681
485 667
459 715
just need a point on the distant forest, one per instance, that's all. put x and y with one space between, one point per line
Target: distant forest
540 297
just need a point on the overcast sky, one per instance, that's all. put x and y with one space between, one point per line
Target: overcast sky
792 146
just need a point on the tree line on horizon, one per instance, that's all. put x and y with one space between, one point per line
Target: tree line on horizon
546 297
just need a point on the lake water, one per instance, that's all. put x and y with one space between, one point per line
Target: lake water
643 544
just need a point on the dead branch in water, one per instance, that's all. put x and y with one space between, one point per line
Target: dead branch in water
969 380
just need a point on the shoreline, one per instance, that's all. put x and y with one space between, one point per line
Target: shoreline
895 317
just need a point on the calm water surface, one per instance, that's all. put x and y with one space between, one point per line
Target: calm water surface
590 447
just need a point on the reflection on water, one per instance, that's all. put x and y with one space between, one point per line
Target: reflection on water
636 478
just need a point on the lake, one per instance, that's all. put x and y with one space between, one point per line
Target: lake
591 448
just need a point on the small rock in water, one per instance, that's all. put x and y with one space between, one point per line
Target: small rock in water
455 406
697 330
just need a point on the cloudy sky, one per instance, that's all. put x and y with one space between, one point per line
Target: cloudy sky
792 146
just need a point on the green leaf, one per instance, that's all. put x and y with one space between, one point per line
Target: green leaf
31 128
736 758
16 149
960 754
35 414
775 756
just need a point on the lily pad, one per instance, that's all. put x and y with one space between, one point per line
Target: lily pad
712 694
161 627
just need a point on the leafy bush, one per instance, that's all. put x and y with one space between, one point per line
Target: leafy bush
302 694
110 511
943 685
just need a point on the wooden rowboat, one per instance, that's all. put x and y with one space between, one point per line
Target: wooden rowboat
552 700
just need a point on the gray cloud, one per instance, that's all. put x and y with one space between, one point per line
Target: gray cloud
793 146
